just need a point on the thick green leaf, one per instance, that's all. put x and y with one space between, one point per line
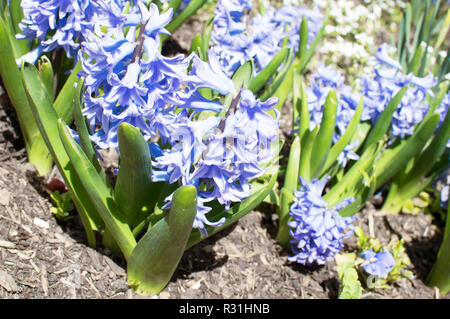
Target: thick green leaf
258 82
353 176
279 78
390 163
310 52
98 192
384 120
175 4
285 88
16 14
206 36
303 39
83 131
159 251
46 71
133 188
243 75
324 139
440 274
38 154
345 139
286 197
406 186
241 79
302 107
64 101
46 118
190 10
307 145
196 43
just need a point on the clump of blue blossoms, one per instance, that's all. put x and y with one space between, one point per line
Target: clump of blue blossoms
381 86
221 155
63 24
128 80
379 264
317 230
238 37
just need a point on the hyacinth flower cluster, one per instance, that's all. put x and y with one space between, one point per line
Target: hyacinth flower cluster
237 36
64 24
317 229
222 155
218 155
387 80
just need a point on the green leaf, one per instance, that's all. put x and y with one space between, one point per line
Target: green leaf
301 106
285 88
286 199
353 176
243 75
292 170
174 5
324 139
345 139
439 275
15 10
46 72
310 52
133 188
190 10
196 43
290 185
279 78
99 193
393 161
241 79
307 145
258 82
407 185
303 39
46 118
38 154
350 286
206 36
64 101
83 131
159 251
